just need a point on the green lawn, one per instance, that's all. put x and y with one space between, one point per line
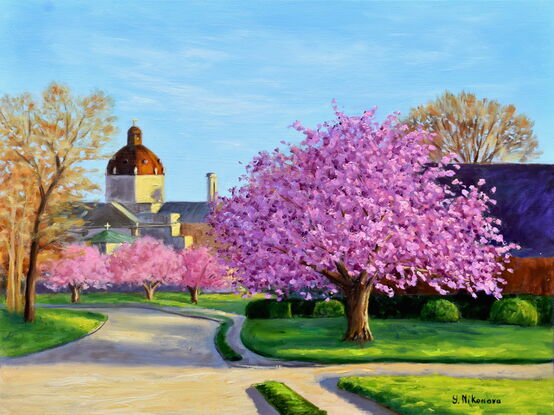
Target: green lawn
51 328
406 340
415 395
225 302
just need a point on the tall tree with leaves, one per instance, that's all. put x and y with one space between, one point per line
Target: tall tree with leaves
53 137
17 204
356 208
477 130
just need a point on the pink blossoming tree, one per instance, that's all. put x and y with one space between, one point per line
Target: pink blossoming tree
147 262
355 208
198 268
79 268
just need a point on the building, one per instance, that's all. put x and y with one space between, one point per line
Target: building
135 203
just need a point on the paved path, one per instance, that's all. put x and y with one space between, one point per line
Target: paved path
149 362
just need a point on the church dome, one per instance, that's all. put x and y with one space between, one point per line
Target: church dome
134 158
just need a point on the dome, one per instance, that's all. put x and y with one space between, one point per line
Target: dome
134 158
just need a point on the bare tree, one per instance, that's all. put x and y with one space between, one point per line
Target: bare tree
478 131
52 138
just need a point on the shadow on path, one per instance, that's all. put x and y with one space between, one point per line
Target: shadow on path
366 405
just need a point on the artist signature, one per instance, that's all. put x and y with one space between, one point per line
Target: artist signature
472 399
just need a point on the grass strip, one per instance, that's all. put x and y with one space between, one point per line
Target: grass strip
52 327
285 400
231 303
417 395
221 344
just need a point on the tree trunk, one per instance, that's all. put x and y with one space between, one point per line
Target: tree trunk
20 257
31 284
75 293
357 300
150 288
193 294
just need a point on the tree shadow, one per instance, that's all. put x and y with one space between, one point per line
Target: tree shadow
263 407
364 404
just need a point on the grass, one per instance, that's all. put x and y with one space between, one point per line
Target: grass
285 400
231 303
416 395
406 340
225 350
51 328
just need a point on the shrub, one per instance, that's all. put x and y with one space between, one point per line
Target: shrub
514 311
473 308
301 308
285 400
399 306
258 309
331 308
543 304
440 310
279 309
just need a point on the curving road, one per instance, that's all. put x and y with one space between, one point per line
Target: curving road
150 362
138 337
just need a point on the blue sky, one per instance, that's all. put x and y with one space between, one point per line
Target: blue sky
214 82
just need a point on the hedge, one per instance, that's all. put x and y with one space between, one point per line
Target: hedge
285 400
404 306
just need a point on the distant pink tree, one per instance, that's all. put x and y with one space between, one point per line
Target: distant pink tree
79 268
198 268
147 262
356 207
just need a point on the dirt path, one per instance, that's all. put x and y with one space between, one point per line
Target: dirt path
149 362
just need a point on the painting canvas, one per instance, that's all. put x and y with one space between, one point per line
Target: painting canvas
277 207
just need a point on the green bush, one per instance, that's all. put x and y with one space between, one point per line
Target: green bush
258 309
331 308
543 304
285 400
301 308
514 311
279 309
398 306
440 310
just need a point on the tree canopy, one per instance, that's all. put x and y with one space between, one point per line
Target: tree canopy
356 206
476 130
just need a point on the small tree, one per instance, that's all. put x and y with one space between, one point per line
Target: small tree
147 262
79 268
477 131
356 207
52 138
198 268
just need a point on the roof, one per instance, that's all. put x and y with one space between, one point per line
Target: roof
96 215
134 158
525 202
108 236
191 212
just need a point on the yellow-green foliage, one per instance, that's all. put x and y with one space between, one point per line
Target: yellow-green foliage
331 308
514 311
440 310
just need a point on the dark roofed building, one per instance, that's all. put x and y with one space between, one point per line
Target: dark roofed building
525 202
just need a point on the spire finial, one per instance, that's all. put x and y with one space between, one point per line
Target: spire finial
135 122
107 226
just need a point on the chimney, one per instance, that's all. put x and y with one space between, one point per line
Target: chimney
212 186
